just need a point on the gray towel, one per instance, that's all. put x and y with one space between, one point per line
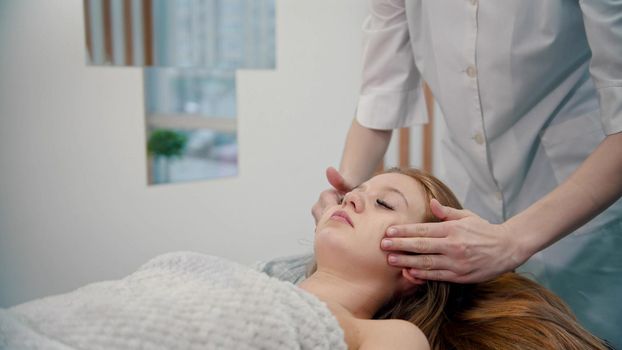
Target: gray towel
176 301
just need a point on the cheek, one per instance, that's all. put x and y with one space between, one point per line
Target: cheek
376 229
354 251
374 232
363 241
369 237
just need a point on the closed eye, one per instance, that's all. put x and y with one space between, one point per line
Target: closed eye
384 204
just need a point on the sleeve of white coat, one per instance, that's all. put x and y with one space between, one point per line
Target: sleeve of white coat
391 94
603 25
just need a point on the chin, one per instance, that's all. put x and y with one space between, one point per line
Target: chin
330 239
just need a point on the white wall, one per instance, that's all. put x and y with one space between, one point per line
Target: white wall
74 204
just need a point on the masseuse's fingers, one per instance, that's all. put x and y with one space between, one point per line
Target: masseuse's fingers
448 213
327 198
416 245
331 196
428 229
431 229
426 262
337 181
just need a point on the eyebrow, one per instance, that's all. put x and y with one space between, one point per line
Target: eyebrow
385 188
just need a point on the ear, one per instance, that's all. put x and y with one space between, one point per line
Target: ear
407 283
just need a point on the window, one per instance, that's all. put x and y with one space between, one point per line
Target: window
191 50
221 36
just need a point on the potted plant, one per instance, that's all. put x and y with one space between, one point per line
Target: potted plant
164 144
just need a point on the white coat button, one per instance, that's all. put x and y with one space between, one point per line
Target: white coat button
473 2
498 195
471 71
479 138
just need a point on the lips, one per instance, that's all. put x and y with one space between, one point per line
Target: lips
342 216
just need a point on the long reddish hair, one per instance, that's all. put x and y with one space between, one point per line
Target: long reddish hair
508 312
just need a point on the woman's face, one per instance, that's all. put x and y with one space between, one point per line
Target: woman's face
348 235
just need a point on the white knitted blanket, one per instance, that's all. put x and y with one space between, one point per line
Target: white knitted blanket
176 301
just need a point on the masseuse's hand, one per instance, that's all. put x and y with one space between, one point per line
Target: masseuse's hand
464 248
331 196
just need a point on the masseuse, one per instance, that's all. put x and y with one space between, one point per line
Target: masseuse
531 92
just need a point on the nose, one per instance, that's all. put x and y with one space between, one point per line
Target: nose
355 200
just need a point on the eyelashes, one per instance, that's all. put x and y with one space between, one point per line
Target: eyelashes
384 204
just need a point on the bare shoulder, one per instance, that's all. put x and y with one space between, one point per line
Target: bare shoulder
392 334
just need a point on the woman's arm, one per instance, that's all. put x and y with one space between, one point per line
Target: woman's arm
592 188
363 152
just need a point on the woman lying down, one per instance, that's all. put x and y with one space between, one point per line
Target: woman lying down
352 300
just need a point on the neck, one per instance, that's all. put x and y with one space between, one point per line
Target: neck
359 298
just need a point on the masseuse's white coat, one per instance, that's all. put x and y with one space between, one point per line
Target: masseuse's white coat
528 89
